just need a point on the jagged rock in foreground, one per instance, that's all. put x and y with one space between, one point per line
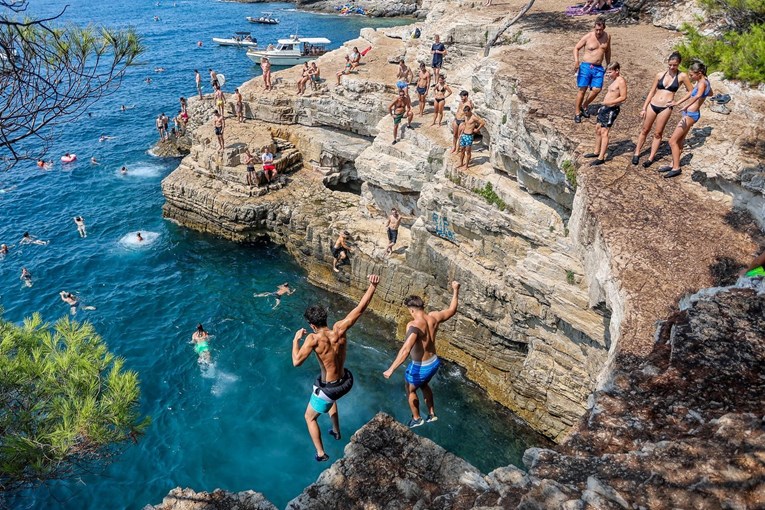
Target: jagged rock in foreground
187 499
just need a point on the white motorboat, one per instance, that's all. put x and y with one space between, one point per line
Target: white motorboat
266 18
289 52
241 39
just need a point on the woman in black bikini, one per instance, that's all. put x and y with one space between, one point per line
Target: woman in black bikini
439 99
656 109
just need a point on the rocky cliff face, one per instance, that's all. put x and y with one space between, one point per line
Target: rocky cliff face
681 428
557 279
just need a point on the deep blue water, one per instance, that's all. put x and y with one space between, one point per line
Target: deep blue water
240 425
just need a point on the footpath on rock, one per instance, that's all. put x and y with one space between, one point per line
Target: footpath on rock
566 268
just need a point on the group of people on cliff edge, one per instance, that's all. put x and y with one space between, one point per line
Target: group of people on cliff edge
658 105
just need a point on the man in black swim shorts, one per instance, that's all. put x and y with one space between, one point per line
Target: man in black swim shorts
616 95
335 380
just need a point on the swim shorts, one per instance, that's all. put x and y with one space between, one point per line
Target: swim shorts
419 373
239 107
392 235
466 140
325 394
401 84
590 75
421 90
337 251
218 131
201 347
268 167
607 115
397 118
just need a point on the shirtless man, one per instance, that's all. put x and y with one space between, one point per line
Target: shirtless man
589 72
80 222
394 220
401 107
404 76
459 116
219 122
335 380
200 339
315 74
220 100
423 84
71 300
472 125
198 81
420 343
340 250
265 66
213 78
238 105
249 161
615 96
160 127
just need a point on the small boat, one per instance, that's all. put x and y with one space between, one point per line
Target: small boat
266 18
241 39
289 52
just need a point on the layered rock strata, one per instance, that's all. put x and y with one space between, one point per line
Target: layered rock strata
562 264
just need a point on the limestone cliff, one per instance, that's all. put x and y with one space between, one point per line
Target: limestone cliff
681 428
563 267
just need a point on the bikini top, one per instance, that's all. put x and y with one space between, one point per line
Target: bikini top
439 88
673 87
707 90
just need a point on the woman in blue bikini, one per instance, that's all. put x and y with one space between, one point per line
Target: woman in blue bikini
691 115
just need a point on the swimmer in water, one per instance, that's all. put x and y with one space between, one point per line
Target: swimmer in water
26 277
139 237
71 300
94 161
200 338
123 170
80 222
3 250
28 239
104 138
282 290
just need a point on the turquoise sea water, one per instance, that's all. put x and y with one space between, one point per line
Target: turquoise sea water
240 424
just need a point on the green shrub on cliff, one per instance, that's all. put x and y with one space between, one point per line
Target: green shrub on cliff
740 56
739 52
488 193
66 403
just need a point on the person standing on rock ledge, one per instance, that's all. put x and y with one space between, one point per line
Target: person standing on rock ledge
401 107
590 72
198 80
219 122
420 343
438 50
335 380
616 95
394 220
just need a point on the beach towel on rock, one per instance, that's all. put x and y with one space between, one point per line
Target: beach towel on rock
578 10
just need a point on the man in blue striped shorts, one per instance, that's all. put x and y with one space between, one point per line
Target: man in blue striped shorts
590 72
420 342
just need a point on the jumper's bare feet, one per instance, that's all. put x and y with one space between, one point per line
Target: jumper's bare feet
454 150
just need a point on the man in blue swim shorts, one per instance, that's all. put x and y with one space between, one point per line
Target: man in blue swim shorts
590 71
420 343
335 380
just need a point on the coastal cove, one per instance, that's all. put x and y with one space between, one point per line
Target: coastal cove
240 424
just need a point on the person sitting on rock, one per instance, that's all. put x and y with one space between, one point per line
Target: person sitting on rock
345 70
355 58
269 169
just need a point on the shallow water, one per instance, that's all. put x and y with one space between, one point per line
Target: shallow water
237 424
